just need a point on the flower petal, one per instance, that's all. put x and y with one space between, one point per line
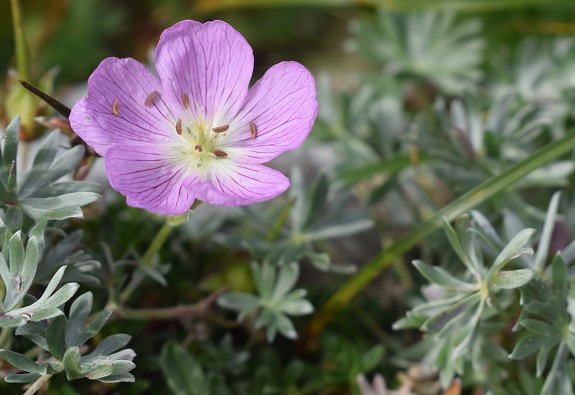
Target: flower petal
282 106
148 179
211 63
102 123
237 184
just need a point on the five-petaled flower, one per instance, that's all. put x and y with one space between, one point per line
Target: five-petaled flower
197 132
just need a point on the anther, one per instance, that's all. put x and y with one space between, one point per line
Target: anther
220 129
179 127
150 98
198 147
219 153
115 108
253 130
186 100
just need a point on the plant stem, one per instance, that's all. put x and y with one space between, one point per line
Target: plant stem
464 203
168 313
21 62
38 384
148 257
146 261
156 244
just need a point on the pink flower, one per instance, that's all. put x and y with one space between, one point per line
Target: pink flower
197 132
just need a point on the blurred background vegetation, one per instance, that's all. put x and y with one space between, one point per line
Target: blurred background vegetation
73 36
76 35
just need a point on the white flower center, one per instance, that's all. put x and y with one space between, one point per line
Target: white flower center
201 141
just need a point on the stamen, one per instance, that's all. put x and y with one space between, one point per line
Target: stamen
186 100
221 129
220 153
253 130
179 127
115 108
150 98
198 147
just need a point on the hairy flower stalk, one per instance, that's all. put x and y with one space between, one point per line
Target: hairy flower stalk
197 132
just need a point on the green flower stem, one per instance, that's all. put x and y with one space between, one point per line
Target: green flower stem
155 246
38 384
459 206
21 61
147 260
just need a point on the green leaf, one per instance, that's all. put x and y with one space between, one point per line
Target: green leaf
22 362
512 279
296 307
55 337
183 373
79 311
371 358
441 277
264 276
238 301
30 261
72 366
60 297
455 242
512 250
93 327
58 207
411 320
22 378
539 327
284 326
16 254
286 279
11 142
526 346
35 332
110 344
547 233
442 319
47 313
345 227
98 371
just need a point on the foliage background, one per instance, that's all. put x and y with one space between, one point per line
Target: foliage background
208 254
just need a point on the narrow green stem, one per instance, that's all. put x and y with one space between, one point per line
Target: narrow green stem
146 261
156 244
148 257
464 203
38 384
21 62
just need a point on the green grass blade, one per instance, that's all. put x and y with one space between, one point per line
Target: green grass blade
461 205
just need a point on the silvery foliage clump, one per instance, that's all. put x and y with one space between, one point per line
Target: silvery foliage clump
498 286
39 275
499 299
287 236
428 45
